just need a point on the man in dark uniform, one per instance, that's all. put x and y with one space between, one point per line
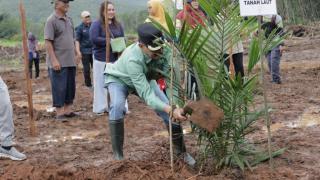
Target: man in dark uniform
84 46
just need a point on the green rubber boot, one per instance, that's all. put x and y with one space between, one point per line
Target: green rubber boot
117 138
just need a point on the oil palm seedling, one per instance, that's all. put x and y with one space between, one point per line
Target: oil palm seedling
203 49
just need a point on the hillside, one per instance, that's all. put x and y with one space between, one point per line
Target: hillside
39 10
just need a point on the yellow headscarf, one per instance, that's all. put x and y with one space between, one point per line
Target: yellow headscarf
159 13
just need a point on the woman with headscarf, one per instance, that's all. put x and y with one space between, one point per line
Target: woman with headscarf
156 12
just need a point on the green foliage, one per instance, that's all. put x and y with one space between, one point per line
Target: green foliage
203 49
299 11
9 43
132 20
37 11
9 26
130 13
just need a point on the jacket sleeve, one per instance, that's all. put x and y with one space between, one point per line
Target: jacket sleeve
122 31
49 33
143 87
95 35
78 33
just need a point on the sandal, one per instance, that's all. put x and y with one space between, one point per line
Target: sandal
70 115
61 118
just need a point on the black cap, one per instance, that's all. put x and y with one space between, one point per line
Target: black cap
65 1
150 36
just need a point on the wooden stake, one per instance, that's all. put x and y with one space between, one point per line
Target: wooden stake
231 65
230 59
185 64
32 125
106 23
171 98
267 116
107 31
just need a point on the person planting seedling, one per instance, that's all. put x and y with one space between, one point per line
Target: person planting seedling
136 71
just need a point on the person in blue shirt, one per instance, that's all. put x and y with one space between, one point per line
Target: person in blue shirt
269 24
84 46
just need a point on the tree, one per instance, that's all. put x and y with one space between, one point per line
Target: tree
203 49
132 20
9 26
299 11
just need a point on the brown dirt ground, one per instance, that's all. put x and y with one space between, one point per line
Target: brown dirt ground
80 148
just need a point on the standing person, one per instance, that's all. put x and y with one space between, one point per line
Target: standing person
84 46
33 54
59 38
98 39
135 71
237 58
269 24
7 126
156 12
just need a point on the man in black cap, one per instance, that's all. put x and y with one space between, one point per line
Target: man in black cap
136 71
59 38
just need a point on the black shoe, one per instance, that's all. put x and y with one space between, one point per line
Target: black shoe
276 82
61 118
70 115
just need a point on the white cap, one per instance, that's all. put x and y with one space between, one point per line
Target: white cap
85 14
278 19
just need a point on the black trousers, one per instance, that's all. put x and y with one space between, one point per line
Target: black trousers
87 61
237 62
36 64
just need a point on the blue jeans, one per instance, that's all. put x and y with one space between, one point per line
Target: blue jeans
63 85
273 58
118 95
